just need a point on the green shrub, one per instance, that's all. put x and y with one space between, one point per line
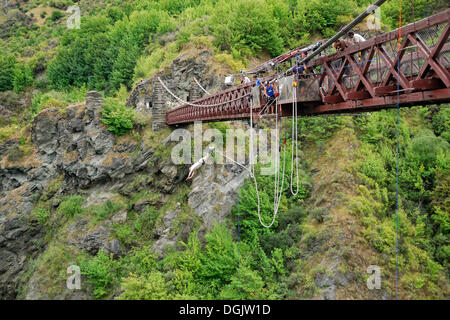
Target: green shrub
293 216
56 15
117 117
43 216
23 77
7 65
102 273
71 205
152 286
146 221
281 239
7 131
319 214
107 209
245 284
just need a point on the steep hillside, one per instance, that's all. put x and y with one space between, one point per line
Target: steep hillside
86 181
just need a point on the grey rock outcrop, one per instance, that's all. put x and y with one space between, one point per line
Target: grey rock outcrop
19 239
141 97
214 192
73 144
75 147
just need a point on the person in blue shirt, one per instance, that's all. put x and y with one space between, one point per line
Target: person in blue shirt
270 93
258 80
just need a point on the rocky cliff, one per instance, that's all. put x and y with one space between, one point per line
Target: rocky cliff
73 153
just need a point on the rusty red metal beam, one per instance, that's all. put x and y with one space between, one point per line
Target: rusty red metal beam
351 86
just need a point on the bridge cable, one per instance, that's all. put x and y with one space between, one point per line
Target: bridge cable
199 105
201 87
398 151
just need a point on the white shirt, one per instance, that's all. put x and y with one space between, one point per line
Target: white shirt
199 163
358 38
247 80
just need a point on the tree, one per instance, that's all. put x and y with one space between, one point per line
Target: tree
56 15
245 25
7 63
23 77
119 119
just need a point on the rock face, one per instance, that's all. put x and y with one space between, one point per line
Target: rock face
18 242
185 68
78 145
75 145
150 96
214 192
140 98
12 105
14 18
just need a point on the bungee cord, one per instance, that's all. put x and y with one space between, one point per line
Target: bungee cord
278 191
294 139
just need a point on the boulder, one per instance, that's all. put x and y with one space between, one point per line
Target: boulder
120 217
95 240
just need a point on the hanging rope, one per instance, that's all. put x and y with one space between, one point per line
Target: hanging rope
294 139
278 191
201 87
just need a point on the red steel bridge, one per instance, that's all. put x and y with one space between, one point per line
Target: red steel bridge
376 74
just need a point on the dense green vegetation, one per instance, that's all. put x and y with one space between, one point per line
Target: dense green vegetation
103 53
117 117
121 42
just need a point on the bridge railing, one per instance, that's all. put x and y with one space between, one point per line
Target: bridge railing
369 69
231 103
362 76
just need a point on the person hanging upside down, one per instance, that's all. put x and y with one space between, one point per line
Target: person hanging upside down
198 164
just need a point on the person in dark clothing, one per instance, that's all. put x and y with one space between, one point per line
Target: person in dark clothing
299 69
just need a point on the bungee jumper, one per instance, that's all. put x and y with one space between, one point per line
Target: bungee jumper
199 163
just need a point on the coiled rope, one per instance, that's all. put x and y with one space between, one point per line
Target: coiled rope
278 190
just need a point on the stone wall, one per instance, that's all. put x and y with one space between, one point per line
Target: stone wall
158 107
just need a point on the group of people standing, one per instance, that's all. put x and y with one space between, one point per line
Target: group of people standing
269 89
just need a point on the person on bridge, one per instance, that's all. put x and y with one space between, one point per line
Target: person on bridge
355 37
245 79
340 46
258 80
299 69
271 94
198 164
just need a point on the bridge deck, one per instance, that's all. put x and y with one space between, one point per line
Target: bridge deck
364 77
